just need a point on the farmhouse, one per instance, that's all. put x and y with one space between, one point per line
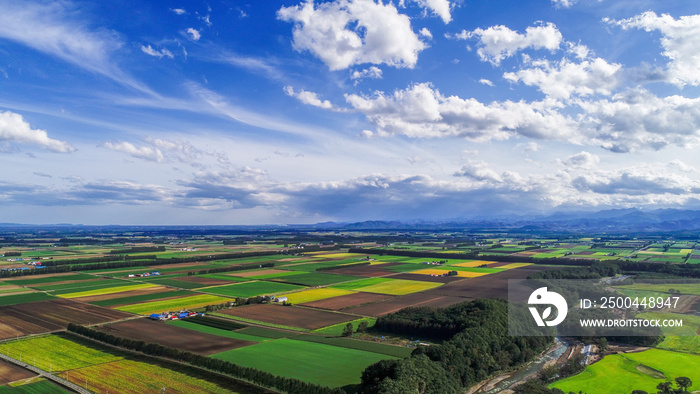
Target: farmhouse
281 299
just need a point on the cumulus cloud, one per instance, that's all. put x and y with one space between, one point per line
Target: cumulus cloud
153 52
422 111
582 159
13 128
564 78
499 42
178 11
680 41
344 33
636 181
373 72
309 98
480 171
440 8
486 82
426 33
564 3
145 152
194 34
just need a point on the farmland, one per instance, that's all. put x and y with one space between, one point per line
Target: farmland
189 302
306 318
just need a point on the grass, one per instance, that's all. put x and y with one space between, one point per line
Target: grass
315 295
399 287
356 284
337 329
23 298
39 387
251 289
108 290
55 352
681 339
316 279
173 305
50 279
308 361
215 331
619 373
141 298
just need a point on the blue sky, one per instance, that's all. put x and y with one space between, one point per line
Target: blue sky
233 112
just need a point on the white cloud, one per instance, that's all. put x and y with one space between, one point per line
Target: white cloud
564 78
144 152
309 98
642 180
159 54
53 28
564 3
582 159
344 33
422 112
486 82
440 8
373 72
426 33
480 171
499 42
178 11
195 35
680 41
13 128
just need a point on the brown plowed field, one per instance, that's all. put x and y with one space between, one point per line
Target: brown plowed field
130 293
369 271
45 316
398 303
11 373
488 286
172 336
289 316
428 278
204 281
347 301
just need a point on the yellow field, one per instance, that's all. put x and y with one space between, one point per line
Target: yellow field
315 295
473 264
109 290
515 265
460 274
686 251
399 287
339 255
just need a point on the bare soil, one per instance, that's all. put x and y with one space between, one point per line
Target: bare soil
11 373
290 315
394 305
347 301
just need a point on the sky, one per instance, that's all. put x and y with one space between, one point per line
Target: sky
277 112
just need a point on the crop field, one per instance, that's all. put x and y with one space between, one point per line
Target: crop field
313 362
174 304
337 329
10 373
264 273
50 278
251 289
315 295
348 343
399 287
172 336
395 304
371 270
36 386
292 316
316 279
339 255
45 316
23 298
460 274
174 283
108 290
205 281
346 301
55 352
145 294
360 283
216 331
685 288
622 373
86 285
473 263
680 339
513 265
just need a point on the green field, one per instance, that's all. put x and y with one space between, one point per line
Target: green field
142 298
84 286
40 386
360 283
685 288
173 282
337 329
55 352
251 289
174 304
264 332
681 339
50 279
619 373
22 298
308 361
108 290
316 279
373 347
